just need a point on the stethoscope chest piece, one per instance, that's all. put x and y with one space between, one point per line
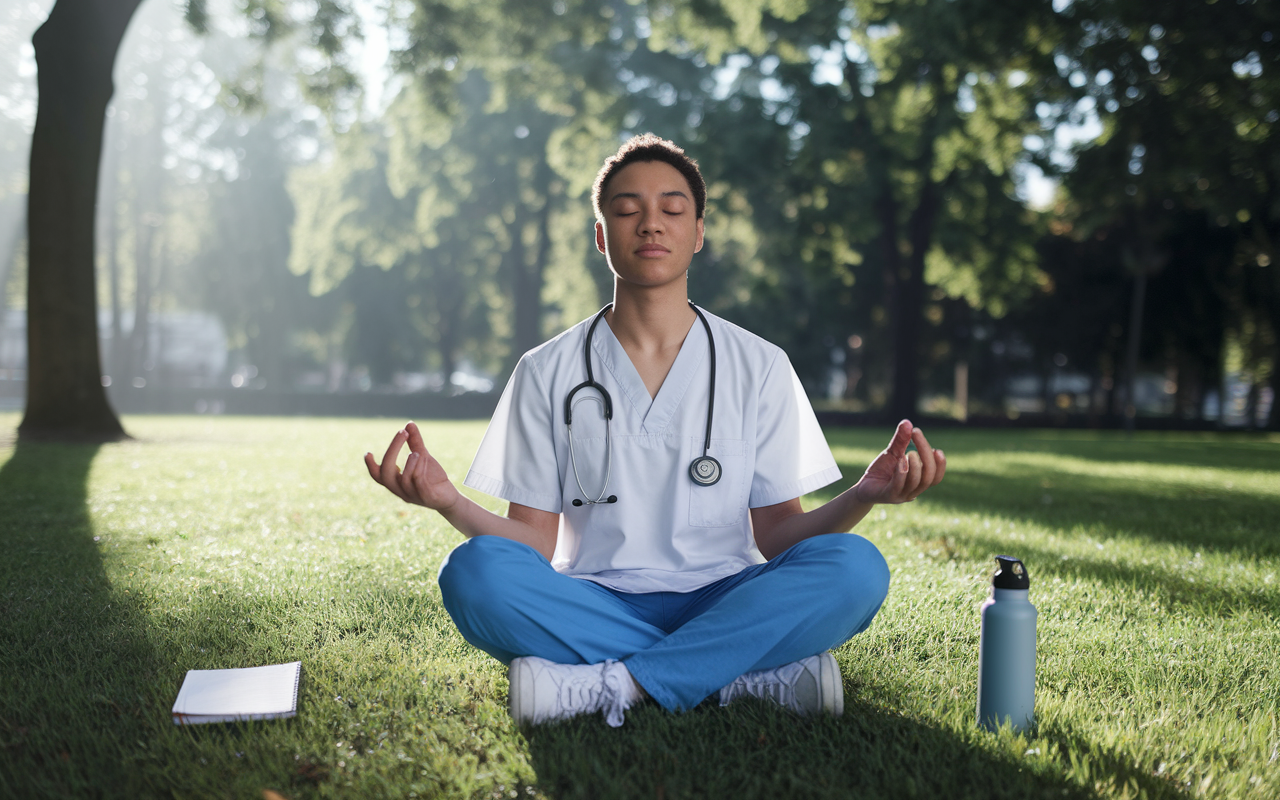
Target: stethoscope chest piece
705 471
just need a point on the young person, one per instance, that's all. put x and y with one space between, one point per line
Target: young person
653 457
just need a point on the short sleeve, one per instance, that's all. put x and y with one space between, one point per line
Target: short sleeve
517 457
792 456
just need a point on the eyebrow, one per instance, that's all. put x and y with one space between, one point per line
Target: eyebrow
676 193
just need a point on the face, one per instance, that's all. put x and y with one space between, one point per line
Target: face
650 230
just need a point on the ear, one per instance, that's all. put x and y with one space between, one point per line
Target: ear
600 236
697 246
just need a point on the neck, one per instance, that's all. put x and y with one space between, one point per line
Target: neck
652 317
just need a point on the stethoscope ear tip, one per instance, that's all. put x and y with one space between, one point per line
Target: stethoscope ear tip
613 498
577 502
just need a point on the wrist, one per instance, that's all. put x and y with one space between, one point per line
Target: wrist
454 509
859 492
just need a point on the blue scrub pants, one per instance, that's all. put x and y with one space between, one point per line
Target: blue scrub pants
681 647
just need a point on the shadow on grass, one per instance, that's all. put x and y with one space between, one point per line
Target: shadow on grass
76 664
84 691
751 751
1203 451
1236 522
1242 451
1196 596
1233 521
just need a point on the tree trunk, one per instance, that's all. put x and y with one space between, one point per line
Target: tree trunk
140 334
111 199
75 52
527 286
895 273
156 358
529 329
906 315
10 242
1272 422
1131 353
1273 418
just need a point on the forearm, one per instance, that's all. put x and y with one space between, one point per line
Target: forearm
836 516
471 519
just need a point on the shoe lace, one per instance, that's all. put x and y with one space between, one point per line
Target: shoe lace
616 691
777 685
585 691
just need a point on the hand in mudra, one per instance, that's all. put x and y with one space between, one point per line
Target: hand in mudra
897 476
423 482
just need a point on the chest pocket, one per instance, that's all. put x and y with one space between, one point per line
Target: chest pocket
724 502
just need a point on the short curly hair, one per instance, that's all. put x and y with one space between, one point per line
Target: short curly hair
648 147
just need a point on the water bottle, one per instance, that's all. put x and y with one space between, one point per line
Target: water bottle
1007 650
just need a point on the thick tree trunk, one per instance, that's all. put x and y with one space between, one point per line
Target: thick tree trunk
75 51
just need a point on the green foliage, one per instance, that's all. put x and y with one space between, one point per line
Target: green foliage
1190 98
209 543
473 185
865 161
897 138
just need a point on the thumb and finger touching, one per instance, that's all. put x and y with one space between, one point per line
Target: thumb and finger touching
915 476
901 438
902 465
927 463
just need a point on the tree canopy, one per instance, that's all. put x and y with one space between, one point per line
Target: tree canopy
868 165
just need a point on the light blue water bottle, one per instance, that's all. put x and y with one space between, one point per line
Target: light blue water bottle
1007 650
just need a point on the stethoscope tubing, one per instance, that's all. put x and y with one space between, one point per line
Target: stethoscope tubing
704 471
608 455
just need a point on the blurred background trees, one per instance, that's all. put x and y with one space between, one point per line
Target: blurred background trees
976 208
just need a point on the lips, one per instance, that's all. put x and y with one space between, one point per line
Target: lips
651 250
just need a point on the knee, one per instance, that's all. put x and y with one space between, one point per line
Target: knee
860 571
472 572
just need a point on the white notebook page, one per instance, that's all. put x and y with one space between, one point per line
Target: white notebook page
234 692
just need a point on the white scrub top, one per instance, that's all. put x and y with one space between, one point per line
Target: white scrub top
665 533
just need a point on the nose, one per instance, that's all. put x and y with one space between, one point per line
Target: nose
651 221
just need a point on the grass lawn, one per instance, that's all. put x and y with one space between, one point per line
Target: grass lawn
221 542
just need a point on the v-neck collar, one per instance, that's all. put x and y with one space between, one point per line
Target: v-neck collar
655 414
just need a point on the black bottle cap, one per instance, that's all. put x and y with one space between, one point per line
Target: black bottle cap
1011 574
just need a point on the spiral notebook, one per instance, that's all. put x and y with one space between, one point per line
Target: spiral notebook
233 695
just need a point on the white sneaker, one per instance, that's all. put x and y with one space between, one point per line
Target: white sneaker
809 686
542 690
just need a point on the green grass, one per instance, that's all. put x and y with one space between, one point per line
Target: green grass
236 542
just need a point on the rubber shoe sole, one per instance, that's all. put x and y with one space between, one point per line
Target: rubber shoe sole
522 694
825 694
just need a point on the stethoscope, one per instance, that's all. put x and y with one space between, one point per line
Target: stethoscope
704 470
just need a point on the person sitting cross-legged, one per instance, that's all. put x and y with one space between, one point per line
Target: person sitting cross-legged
653 457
